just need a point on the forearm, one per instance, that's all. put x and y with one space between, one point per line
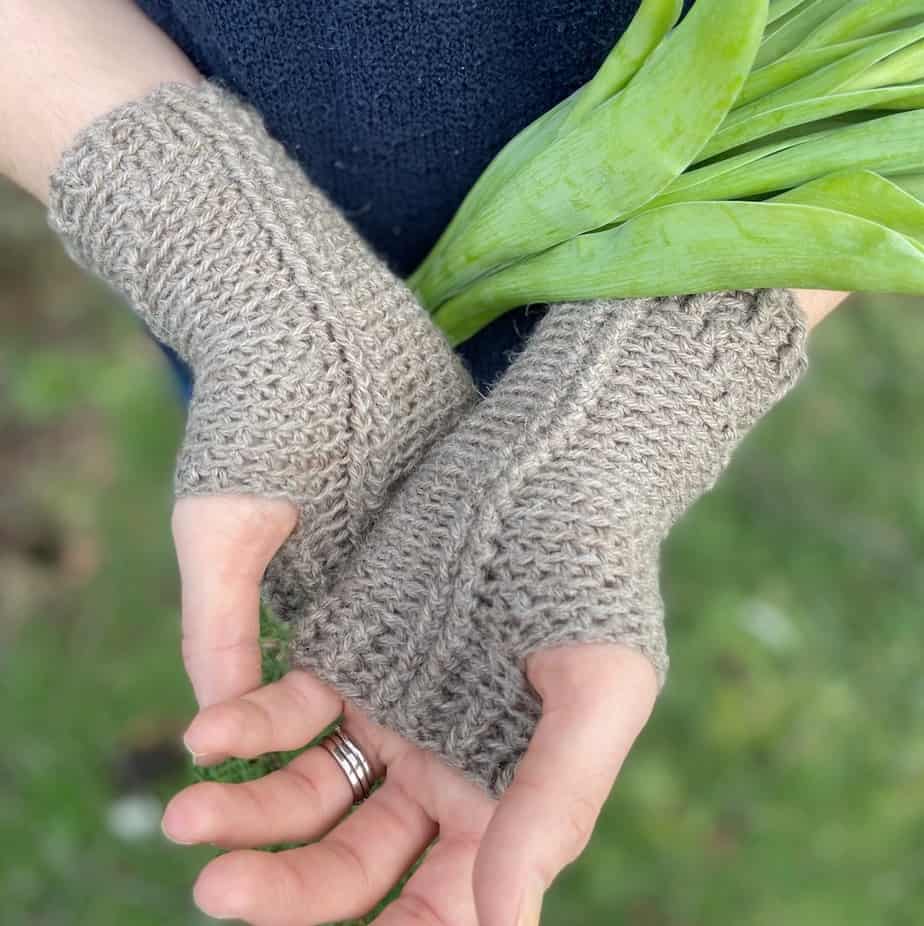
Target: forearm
65 64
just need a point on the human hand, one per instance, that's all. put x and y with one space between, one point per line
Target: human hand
319 380
538 521
318 377
491 861
224 544
585 698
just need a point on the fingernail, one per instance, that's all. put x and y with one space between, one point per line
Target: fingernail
202 759
206 759
531 905
173 839
216 916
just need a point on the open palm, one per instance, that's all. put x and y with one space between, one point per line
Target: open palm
488 862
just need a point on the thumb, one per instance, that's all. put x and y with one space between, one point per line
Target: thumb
595 700
223 545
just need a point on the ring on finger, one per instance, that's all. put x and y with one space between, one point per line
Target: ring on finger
351 761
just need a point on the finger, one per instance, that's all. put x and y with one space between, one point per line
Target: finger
299 802
439 893
223 546
277 717
444 793
342 877
596 699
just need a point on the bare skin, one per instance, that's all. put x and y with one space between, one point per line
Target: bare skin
64 65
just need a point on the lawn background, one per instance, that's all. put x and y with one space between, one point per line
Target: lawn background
781 781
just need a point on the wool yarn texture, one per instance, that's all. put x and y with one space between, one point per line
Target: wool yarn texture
538 521
318 377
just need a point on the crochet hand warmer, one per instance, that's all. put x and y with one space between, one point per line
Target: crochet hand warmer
538 521
318 378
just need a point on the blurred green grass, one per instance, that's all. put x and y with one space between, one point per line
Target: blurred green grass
781 780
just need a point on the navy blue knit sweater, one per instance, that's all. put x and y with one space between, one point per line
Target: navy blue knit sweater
394 107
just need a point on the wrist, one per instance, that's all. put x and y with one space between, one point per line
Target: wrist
817 304
141 199
68 65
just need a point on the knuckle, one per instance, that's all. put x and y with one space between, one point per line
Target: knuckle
292 887
353 861
571 821
308 693
393 817
190 655
211 806
418 910
578 819
251 514
232 722
309 790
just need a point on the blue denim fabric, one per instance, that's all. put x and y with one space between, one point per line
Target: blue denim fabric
394 109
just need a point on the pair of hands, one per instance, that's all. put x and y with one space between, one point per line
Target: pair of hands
493 860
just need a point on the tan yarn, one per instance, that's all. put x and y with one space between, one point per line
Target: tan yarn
538 521
318 378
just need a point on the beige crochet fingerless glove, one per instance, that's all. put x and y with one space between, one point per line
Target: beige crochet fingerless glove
318 378
538 521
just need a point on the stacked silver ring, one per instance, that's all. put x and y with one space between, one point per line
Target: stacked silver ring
352 763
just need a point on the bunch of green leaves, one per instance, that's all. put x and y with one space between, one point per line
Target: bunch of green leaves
751 144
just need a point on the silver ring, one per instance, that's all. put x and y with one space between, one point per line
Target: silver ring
354 765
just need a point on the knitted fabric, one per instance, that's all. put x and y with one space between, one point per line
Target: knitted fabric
394 109
318 377
538 521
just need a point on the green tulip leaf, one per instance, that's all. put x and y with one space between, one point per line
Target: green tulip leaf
793 67
620 156
911 183
780 8
903 67
700 247
863 17
862 69
654 19
795 30
867 195
804 112
889 145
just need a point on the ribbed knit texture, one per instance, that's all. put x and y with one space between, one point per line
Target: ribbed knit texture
538 521
394 109
318 378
